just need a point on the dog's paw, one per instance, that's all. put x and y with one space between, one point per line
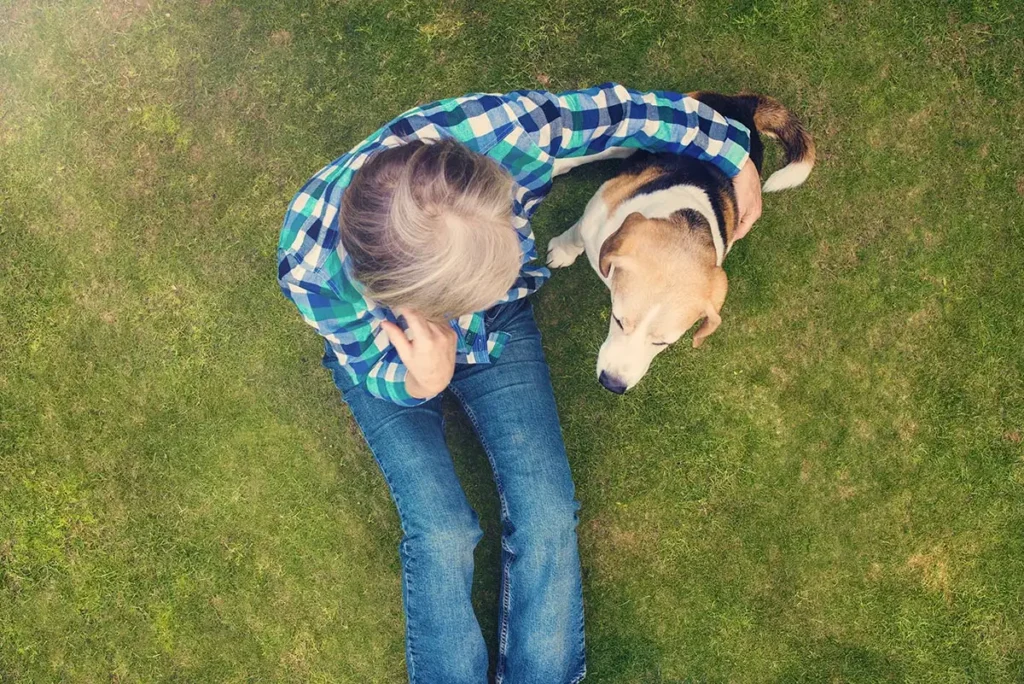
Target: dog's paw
562 252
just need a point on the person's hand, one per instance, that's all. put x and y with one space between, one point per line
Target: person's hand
748 198
428 351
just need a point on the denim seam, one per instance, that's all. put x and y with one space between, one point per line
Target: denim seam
506 583
583 643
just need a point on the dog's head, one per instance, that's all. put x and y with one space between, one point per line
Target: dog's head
663 278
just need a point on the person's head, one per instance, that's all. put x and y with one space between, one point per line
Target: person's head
428 226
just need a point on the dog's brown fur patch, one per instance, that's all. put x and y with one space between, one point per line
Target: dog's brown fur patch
620 241
619 189
770 116
730 215
773 119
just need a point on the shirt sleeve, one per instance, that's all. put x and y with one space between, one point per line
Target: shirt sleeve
343 318
580 123
386 380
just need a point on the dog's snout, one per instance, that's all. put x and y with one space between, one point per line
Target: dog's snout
611 383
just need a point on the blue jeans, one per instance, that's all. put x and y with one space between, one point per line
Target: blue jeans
512 408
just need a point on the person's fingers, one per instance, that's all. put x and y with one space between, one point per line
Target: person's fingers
741 231
441 331
445 331
418 325
747 220
398 340
746 223
434 330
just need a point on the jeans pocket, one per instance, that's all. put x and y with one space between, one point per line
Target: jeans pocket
491 314
502 313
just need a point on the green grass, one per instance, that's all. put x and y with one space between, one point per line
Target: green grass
831 489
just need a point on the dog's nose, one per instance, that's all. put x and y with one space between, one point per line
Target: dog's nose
610 383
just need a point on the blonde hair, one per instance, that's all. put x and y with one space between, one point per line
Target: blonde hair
428 226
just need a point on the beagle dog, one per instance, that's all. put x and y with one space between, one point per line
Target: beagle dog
658 232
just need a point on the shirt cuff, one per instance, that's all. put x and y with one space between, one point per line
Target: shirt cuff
401 396
735 149
393 390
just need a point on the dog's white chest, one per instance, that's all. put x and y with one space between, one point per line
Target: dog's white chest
598 224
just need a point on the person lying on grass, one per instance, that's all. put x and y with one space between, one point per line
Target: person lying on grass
412 256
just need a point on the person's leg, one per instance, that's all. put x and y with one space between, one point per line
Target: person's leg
443 639
512 408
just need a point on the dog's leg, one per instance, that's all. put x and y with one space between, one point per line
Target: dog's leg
564 249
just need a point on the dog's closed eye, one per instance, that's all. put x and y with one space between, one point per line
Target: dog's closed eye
660 344
617 322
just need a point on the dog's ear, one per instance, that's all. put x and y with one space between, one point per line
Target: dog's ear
719 285
618 243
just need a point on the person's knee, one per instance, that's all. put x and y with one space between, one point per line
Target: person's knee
446 537
544 525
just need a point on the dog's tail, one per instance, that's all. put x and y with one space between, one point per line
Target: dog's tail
773 119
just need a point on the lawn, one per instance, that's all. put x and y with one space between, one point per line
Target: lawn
830 489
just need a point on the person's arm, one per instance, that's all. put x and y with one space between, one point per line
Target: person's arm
611 120
598 120
354 335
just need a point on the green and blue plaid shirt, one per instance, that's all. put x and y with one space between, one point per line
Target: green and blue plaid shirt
526 132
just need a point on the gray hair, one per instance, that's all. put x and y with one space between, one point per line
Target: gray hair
428 226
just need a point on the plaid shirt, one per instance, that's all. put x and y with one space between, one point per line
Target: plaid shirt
524 131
